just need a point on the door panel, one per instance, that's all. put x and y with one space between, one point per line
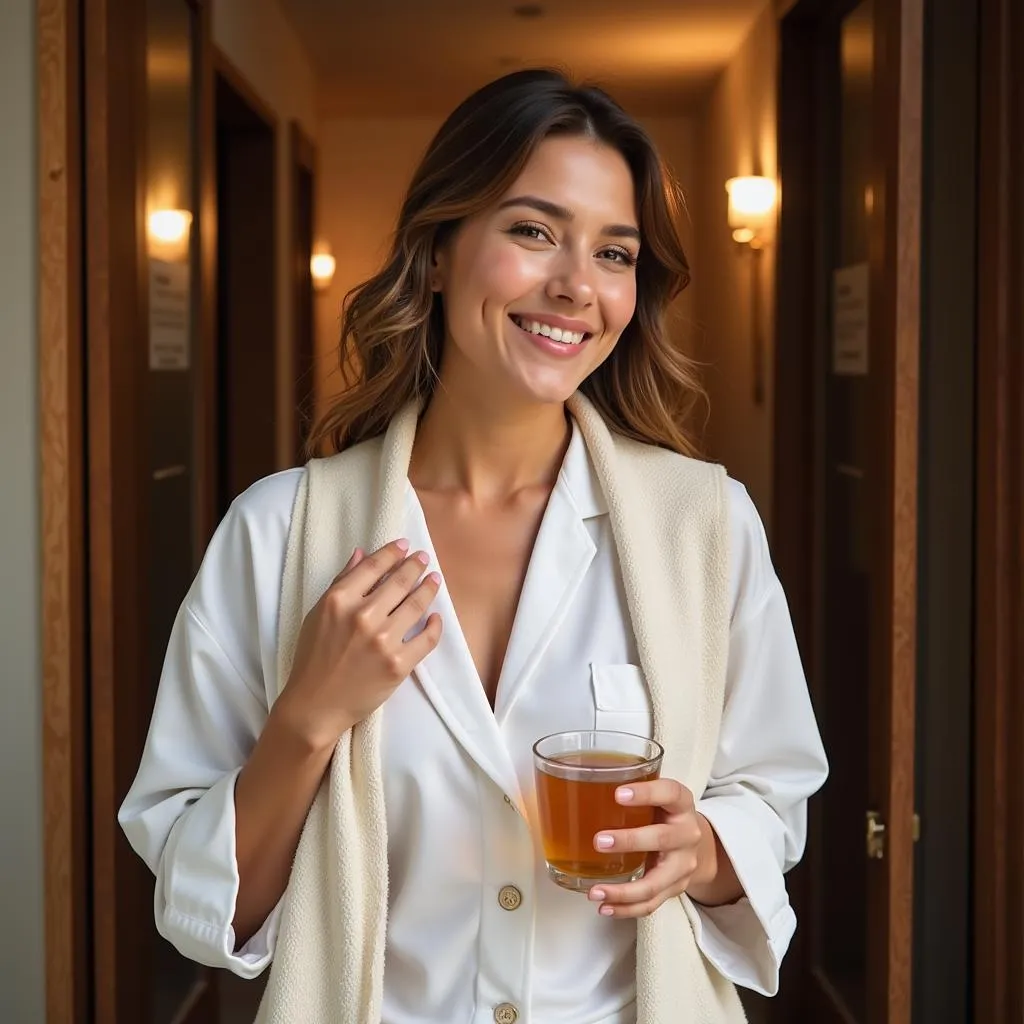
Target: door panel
851 473
246 347
141 63
846 476
181 991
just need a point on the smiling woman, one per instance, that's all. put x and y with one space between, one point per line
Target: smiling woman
552 172
505 541
543 274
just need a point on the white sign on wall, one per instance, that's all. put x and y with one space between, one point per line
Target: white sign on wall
169 315
850 324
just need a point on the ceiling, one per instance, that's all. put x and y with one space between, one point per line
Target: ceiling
421 57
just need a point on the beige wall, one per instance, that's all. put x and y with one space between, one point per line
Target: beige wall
736 134
365 166
21 801
257 38
676 139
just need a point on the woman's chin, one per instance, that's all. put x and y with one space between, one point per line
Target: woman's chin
547 388
505 385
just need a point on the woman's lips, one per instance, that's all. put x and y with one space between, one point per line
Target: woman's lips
560 349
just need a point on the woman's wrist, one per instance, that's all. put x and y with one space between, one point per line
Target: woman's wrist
714 882
302 733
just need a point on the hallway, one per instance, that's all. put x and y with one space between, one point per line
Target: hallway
194 188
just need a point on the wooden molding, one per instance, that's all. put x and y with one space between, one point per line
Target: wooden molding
206 402
114 140
62 501
898 113
302 161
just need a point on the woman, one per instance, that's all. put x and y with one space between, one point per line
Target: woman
516 425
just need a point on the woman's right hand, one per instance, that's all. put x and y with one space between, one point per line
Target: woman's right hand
351 653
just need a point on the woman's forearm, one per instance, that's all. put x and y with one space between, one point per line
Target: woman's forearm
273 794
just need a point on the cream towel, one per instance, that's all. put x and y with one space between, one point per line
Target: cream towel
670 523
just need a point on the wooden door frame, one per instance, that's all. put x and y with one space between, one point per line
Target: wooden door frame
205 453
898 113
114 149
302 156
999 530
895 310
90 465
794 480
62 496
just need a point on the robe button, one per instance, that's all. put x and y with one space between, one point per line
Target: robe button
510 898
505 1014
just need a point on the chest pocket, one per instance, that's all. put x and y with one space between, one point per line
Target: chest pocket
621 700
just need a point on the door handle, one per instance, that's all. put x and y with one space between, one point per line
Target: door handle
875 835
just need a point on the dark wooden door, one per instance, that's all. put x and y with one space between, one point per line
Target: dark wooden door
247 354
847 479
143 68
302 161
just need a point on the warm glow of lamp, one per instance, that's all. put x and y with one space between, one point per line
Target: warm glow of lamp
321 267
752 217
751 208
169 227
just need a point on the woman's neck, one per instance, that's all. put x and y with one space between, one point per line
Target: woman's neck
489 454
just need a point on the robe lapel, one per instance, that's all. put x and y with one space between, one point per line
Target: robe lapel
450 681
651 537
561 557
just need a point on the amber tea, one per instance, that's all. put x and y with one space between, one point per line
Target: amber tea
577 775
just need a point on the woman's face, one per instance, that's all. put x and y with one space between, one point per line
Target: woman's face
538 289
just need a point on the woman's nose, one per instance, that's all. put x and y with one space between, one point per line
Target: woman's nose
572 281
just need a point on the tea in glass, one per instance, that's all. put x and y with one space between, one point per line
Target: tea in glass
577 774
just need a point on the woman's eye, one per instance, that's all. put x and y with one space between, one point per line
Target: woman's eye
534 231
622 256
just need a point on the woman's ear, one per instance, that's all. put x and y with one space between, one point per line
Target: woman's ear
438 266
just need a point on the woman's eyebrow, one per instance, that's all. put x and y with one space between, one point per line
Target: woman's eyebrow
559 212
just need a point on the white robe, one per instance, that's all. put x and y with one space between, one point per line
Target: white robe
455 774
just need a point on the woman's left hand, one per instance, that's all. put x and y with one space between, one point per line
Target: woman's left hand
684 853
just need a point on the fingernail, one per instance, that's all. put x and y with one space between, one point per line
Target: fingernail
402 545
606 911
624 794
597 895
604 842
435 577
422 556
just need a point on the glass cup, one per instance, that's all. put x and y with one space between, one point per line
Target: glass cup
577 774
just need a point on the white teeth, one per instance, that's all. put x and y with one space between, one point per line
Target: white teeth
554 333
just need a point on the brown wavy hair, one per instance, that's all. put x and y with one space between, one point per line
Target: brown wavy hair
393 324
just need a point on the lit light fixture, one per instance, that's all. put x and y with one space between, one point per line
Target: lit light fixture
752 218
751 209
321 268
169 227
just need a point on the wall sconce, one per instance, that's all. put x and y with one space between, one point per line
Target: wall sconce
168 232
752 218
321 268
751 209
